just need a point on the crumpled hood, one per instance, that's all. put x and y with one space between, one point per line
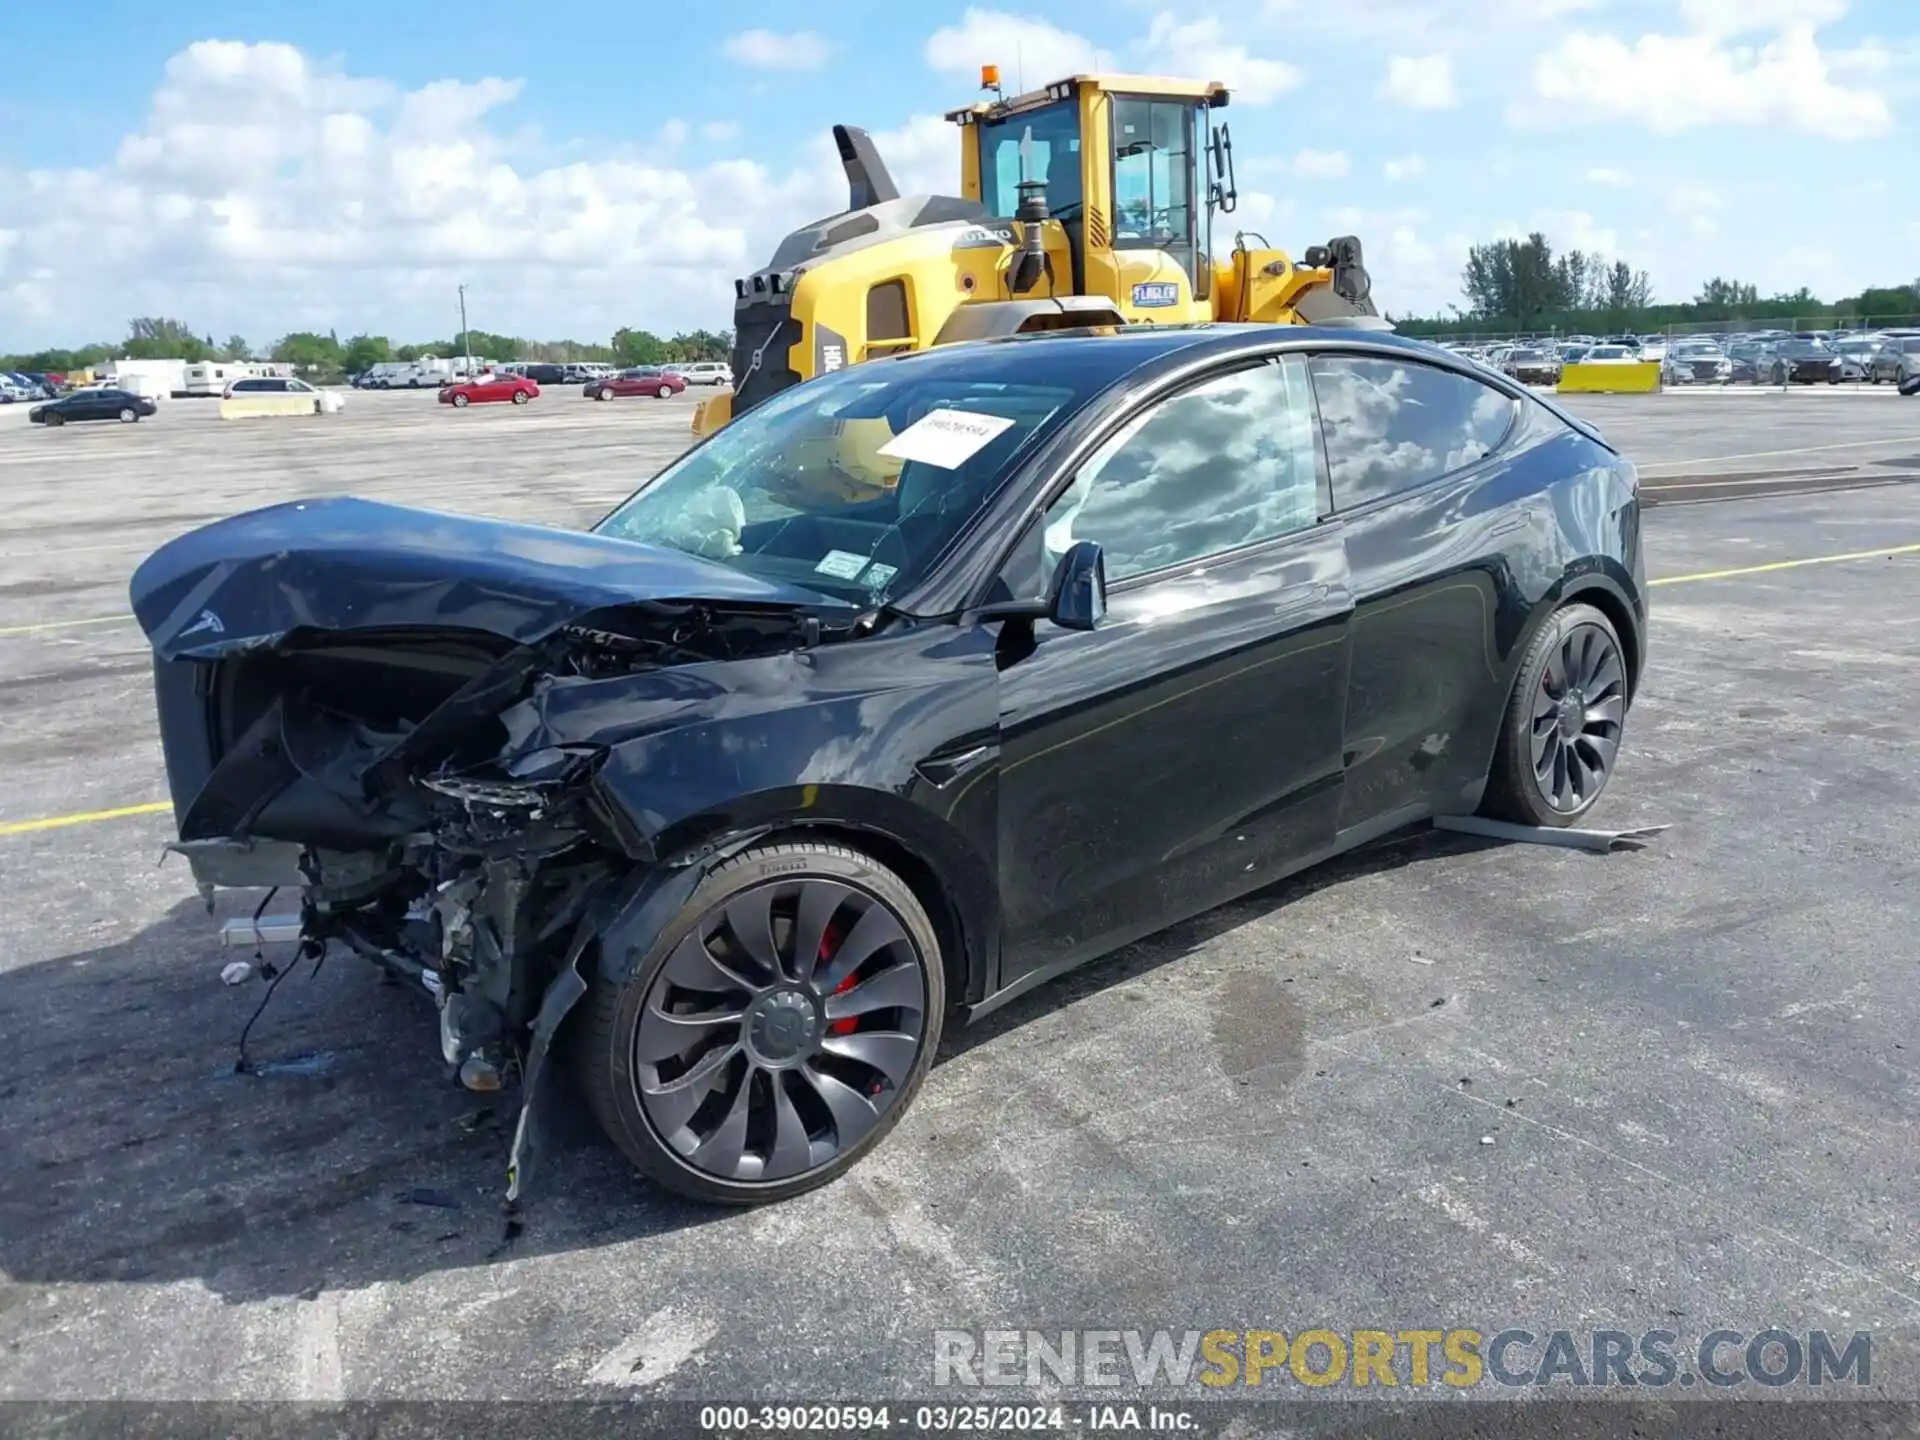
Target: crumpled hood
347 564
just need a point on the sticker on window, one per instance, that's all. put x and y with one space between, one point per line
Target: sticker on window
878 575
946 438
841 564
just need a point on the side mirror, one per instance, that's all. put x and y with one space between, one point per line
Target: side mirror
1076 596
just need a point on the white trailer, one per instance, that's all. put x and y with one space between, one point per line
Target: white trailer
211 377
156 379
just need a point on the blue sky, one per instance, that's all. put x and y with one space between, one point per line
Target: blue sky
279 166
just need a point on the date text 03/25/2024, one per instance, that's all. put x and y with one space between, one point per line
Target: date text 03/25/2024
728 1420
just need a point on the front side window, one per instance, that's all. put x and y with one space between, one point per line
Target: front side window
855 483
1228 463
1050 140
1393 424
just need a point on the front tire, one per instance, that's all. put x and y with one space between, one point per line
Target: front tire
1560 737
128 415
665 392
520 397
460 402
775 1031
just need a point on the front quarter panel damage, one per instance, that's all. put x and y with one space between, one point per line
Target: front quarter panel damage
541 815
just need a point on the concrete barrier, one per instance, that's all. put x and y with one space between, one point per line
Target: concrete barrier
247 407
1640 378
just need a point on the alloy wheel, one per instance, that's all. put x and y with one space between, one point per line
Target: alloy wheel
781 1030
1578 712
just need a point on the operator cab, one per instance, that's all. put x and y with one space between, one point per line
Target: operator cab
1130 163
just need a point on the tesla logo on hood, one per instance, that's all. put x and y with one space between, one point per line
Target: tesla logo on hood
208 622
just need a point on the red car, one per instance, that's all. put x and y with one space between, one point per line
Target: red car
484 389
641 380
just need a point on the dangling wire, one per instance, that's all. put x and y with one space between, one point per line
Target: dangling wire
241 1065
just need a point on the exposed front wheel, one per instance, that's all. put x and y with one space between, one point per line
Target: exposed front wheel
603 394
520 397
460 401
1561 734
776 1030
128 415
665 392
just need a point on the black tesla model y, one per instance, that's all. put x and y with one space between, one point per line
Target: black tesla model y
913 687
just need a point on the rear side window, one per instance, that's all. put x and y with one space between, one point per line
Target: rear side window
1391 425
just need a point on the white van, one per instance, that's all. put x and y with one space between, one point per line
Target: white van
702 372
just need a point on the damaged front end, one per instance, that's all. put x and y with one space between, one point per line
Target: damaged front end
342 719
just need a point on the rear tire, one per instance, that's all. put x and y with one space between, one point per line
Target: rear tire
782 1088
1560 736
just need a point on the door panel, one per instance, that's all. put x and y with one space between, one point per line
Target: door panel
1185 751
1188 748
1425 553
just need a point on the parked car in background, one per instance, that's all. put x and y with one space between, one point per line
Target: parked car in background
1856 354
1803 362
1573 354
1696 362
703 372
325 402
489 389
1532 367
95 402
1897 359
1611 355
640 380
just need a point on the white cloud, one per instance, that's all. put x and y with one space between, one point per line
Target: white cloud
1743 17
766 50
265 193
1203 49
1420 82
1029 52
1695 209
1673 83
1321 165
719 132
1606 175
1577 230
1404 167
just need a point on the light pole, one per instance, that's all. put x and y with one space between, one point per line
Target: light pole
465 348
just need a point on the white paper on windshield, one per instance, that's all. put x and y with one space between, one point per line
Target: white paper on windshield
947 438
841 564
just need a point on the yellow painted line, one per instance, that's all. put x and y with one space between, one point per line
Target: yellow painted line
1786 565
1771 454
63 624
85 817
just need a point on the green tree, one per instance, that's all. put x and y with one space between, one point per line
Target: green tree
237 348
307 351
638 347
363 352
158 338
1727 294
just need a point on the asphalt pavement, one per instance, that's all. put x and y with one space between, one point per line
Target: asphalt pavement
1440 1082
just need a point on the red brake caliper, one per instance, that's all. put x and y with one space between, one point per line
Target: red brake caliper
830 942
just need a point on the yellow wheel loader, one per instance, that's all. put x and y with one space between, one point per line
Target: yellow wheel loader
1090 202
